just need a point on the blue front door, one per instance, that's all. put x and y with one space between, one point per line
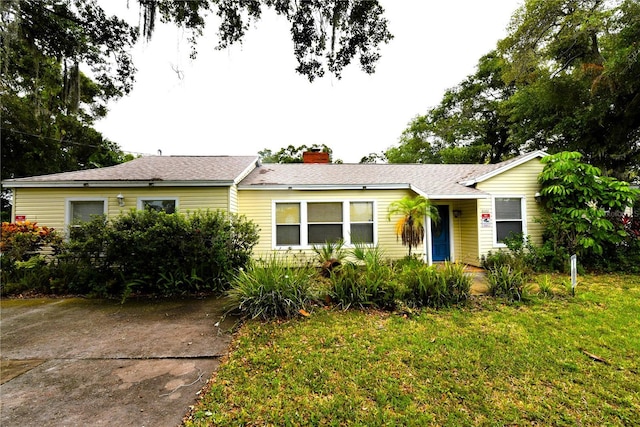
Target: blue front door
440 245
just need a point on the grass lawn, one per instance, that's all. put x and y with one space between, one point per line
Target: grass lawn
552 361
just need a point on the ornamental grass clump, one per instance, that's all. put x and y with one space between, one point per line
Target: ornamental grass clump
271 288
367 282
458 282
507 282
429 286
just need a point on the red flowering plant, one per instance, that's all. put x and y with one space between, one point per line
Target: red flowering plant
22 240
631 225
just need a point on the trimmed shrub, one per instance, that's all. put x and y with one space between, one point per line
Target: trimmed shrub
271 289
155 253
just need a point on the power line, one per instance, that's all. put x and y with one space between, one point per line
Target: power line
69 141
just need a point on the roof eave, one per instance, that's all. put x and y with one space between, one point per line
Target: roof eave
434 196
112 184
523 159
254 164
324 186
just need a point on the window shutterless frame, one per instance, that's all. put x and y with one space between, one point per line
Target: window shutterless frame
166 204
302 224
82 208
510 213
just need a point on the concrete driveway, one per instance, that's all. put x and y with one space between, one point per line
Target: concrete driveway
77 362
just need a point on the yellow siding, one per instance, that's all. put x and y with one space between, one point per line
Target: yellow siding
465 232
233 199
257 206
521 181
47 206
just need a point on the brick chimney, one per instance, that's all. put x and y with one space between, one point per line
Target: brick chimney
315 157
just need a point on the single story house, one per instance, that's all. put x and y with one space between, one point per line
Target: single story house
301 205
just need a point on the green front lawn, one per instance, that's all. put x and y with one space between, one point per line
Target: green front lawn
559 361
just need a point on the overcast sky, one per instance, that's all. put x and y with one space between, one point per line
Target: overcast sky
246 98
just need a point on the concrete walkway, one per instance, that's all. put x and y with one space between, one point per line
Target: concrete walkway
76 362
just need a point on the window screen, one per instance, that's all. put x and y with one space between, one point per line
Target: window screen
508 217
83 210
361 218
324 222
287 224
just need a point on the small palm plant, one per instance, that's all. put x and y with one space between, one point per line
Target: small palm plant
414 210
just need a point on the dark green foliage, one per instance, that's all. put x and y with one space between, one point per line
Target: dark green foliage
48 103
565 78
582 213
153 252
270 289
326 36
623 256
429 286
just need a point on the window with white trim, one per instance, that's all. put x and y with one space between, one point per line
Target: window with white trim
165 204
509 217
84 210
288 224
316 223
361 222
324 222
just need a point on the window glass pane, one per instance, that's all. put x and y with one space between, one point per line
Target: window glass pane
361 233
168 206
287 235
82 211
361 211
287 213
508 209
322 233
324 212
504 228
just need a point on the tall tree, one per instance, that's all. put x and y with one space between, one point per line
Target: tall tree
565 78
326 35
468 126
576 65
62 61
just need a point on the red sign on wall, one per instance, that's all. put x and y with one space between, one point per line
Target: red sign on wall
21 218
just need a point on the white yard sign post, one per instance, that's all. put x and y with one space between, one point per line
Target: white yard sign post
574 273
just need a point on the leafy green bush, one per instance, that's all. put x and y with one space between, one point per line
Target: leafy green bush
577 198
271 289
507 282
156 253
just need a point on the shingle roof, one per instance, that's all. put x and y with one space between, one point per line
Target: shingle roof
157 168
429 179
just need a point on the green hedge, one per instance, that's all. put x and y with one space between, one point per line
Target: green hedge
150 253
